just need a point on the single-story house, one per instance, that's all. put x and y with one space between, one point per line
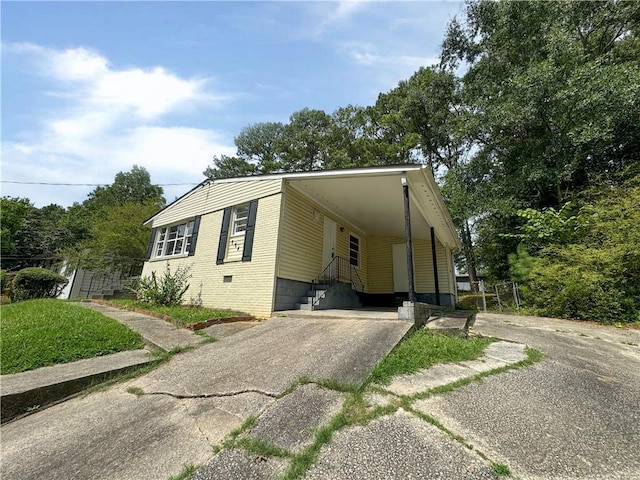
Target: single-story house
267 243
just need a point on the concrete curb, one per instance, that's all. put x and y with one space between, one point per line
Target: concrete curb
21 393
26 391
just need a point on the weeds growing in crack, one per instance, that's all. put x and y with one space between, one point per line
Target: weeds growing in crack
501 469
302 380
186 472
246 425
262 447
206 338
137 391
533 356
429 419
336 385
355 411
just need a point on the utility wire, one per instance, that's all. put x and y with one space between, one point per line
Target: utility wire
89 184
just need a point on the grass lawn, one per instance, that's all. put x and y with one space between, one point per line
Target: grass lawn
37 333
425 348
183 314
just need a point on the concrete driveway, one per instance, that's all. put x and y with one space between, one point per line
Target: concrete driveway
190 403
576 414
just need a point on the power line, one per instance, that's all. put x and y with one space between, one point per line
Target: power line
89 184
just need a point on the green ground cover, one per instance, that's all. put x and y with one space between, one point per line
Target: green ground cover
426 348
43 332
182 314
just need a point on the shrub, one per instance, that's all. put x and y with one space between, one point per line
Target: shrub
36 282
167 290
4 280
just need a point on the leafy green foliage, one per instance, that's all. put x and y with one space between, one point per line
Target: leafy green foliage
167 290
596 275
43 332
12 214
4 281
34 282
549 103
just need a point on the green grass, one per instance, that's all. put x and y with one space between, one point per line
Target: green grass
37 333
501 470
182 314
187 471
426 348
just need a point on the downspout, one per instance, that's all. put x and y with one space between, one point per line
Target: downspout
435 265
407 230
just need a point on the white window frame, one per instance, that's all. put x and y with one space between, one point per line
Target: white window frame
174 240
239 219
358 251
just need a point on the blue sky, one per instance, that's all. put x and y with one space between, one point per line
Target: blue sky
90 89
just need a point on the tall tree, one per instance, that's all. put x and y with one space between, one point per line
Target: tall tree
550 101
133 186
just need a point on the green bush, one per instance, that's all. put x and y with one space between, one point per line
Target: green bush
167 290
4 281
36 282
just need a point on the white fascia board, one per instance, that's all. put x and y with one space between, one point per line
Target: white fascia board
325 173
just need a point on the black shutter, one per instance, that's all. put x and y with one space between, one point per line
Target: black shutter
248 234
152 241
224 234
194 235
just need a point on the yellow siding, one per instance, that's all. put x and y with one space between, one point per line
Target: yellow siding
381 265
301 239
380 260
211 197
252 285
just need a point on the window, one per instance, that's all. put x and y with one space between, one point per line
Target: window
236 233
240 217
354 250
175 239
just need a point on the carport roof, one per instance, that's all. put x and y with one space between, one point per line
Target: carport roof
371 199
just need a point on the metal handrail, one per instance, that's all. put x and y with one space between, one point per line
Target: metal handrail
338 270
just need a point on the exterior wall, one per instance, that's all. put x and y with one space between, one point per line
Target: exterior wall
288 293
252 284
301 239
381 265
216 196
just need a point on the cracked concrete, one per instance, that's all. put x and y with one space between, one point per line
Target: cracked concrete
216 395
202 395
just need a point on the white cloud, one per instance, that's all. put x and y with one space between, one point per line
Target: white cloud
369 55
331 14
111 118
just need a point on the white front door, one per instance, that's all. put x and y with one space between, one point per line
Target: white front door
400 272
329 242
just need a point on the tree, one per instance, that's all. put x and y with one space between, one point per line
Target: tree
133 186
262 145
549 101
118 239
109 224
13 212
230 167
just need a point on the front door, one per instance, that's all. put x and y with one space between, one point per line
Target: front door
329 242
400 272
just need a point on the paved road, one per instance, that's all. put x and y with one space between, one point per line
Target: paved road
574 415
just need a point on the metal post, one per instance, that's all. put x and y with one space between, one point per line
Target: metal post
407 230
435 265
484 298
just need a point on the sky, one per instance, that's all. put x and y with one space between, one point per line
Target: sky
90 89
